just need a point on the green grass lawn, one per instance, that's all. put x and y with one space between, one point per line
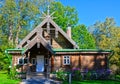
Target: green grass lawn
4 79
94 82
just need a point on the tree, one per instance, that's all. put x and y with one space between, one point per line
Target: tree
18 16
107 36
83 38
64 15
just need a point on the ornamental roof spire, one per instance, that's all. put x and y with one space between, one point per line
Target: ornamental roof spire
48 15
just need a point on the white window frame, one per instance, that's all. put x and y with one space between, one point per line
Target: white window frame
65 60
32 61
22 61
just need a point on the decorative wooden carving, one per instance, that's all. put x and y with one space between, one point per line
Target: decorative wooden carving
38 45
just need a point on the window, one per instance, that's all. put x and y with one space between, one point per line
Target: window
46 61
66 60
33 61
22 61
25 60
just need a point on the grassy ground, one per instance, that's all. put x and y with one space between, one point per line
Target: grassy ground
4 79
94 82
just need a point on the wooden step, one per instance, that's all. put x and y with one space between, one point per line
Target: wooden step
38 73
35 74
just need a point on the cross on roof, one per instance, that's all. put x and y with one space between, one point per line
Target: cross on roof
48 15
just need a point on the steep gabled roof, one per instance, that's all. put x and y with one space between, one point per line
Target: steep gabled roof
39 39
28 43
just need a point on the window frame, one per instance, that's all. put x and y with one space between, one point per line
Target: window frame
23 61
19 61
32 61
65 60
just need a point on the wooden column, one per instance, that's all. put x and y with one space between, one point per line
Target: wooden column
48 27
48 66
28 70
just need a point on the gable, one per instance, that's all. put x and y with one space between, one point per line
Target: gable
53 32
61 43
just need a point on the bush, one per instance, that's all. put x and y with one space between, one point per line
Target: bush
61 75
12 74
103 73
90 75
117 77
76 74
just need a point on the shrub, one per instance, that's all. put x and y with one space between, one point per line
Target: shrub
103 73
76 74
88 75
12 74
61 75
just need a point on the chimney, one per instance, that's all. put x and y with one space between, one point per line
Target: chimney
69 31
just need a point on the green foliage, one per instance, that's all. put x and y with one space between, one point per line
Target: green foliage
64 15
4 79
77 75
93 82
5 60
107 36
88 75
13 73
83 38
61 75
117 77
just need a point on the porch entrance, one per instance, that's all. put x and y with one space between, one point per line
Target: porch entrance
40 63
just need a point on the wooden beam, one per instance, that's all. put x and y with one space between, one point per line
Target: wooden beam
48 27
32 32
56 33
39 39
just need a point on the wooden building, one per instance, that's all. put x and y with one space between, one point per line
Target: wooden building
47 48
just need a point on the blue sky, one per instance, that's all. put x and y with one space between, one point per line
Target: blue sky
90 11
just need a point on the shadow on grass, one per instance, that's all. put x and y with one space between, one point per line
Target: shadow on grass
94 82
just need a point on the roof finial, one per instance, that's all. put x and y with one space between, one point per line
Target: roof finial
48 15
48 10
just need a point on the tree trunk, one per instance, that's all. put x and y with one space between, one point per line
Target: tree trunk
17 35
10 37
19 25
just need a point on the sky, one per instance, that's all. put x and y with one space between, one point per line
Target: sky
91 11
